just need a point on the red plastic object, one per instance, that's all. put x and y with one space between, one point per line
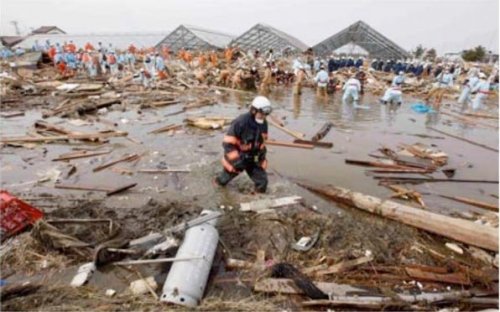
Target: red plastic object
15 215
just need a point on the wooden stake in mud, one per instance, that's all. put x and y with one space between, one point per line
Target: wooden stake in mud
126 158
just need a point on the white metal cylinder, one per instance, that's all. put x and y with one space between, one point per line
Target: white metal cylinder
186 281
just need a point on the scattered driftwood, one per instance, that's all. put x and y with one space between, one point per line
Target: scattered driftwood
449 278
108 191
286 144
322 132
461 230
405 193
294 134
425 180
163 170
344 266
166 128
208 123
481 115
399 300
127 158
79 154
82 136
376 164
315 143
464 139
11 114
472 202
265 204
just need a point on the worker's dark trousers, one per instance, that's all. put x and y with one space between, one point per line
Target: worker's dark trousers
255 172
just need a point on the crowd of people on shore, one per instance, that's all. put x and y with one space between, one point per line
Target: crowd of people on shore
234 68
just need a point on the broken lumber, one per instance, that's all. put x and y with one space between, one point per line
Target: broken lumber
95 188
82 136
481 115
264 204
322 132
163 170
458 229
424 180
295 134
472 202
125 158
11 114
286 144
344 266
166 128
287 286
315 143
399 300
464 139
376 164
449 278
79 154
416 170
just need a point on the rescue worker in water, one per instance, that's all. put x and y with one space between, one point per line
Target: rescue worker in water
244 148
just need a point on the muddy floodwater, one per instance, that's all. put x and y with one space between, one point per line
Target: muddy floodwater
161 200
357 133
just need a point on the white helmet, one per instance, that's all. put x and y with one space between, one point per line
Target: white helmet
262 104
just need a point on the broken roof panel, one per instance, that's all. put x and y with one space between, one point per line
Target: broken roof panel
118 40
364 36
193 37
48 30
264 37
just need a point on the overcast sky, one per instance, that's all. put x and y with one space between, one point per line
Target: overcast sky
445 25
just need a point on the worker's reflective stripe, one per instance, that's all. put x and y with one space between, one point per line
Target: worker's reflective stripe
246 147
227 165
264 164
231 140
233 155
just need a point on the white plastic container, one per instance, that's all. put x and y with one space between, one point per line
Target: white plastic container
186 281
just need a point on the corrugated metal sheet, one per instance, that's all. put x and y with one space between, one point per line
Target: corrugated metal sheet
118 40
194 37
265 37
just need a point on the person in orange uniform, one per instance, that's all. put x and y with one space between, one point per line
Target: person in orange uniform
213 58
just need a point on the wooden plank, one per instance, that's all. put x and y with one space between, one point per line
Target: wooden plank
322 132
163 170
80 154
286 144
11 114
464 139
263 204
375 164
458 229
83 136
287 286
125 158
425 180
450 278
398 300
165 128
315 143
472 202
344 266
294 134
95 188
